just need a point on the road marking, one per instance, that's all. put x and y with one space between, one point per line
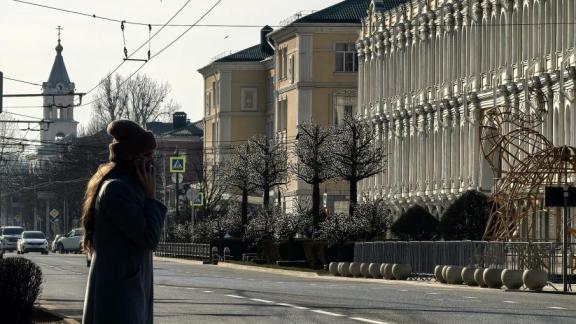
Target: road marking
470 297
191 288
313 284
262 300
327 313
510 302
432 293
207 291
365 320
285 305
236 296
404 290
188 272
239 278
280 282
556 307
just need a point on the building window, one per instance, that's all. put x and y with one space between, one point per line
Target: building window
215 94
283 63
282 116
249 99
291 68
346 57
344 105
208 103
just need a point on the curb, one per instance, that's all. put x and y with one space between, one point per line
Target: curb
53 311
313 275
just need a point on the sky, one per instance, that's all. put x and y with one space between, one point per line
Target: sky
94 47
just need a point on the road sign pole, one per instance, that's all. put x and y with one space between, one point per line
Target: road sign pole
565 242
177 191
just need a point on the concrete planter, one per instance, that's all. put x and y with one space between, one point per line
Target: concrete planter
454 275
344 269
374 270
493 278
355 269
438 273
401 271
333 268
535 279
512 279
468 276
364 270
479 277
386 270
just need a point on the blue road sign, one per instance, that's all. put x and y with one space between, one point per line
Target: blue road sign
178 164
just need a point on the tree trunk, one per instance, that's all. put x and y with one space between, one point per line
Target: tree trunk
353 196
316 205
266 199
244 210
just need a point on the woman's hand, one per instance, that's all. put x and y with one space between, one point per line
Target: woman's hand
147 177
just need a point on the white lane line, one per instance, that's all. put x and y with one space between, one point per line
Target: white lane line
236 296
262 300
403 290
285 305
470 297
190 288
239 278
280 282
313 284
432 293
556 307
207 291
327 313
365 320
510 302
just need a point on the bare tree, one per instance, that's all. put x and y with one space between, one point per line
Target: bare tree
214 186
140 99
268 162
315 159
357 154
239 177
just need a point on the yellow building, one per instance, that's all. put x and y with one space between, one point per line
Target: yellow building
307 74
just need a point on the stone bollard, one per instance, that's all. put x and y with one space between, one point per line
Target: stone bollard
468 276
386 270
479 277
226 254
535 279
344 269
364 270
512 279
493 278
333 268
401 271
374 270
438 273
355 269
215 255
454 275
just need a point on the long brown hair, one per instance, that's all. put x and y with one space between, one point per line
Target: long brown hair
92 189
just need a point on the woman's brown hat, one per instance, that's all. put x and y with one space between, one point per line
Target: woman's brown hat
129 140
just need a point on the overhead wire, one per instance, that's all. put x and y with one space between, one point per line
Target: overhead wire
22 81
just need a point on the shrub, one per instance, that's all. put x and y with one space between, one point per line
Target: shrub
416 224
466 218
374 218
20 285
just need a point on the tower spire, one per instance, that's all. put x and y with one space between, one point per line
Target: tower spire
59 47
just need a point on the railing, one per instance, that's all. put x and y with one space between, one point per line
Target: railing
295 17
424 256
184 250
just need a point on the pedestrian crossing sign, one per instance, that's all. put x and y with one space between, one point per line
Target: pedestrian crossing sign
177 164
198 199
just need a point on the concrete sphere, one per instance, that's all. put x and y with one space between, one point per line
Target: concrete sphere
333 268
493 278
535 279
374 270
454 275
401 271
344 269
468 276
438 273
364 270
479 277
386 271
355 269
512 279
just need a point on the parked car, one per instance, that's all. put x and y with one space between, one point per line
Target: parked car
70 242
32 241
9 236
54 244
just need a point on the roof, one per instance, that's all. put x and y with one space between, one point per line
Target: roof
255 53
348 11
59 73
167 129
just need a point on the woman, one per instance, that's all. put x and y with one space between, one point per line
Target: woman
122 224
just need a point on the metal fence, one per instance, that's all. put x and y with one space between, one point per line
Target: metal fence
184 250
424 256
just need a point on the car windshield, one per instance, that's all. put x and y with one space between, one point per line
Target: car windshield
33 235
12 231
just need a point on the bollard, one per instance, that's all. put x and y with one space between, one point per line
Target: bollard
215 255
226 253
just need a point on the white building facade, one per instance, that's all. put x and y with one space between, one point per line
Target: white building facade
429 68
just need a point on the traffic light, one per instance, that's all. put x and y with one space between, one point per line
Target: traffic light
1 89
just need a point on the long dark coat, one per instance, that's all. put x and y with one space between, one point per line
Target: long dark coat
127 230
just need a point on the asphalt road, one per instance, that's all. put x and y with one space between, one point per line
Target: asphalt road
194 293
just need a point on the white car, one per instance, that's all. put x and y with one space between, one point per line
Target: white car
71 242
32 241
54 244
9 236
